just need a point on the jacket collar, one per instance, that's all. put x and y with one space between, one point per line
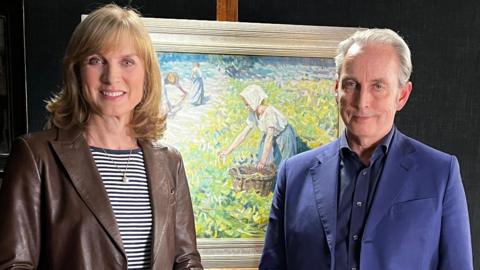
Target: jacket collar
396 172
325 173
75 156
162 190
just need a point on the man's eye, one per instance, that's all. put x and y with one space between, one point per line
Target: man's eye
378 87
95 61
349 85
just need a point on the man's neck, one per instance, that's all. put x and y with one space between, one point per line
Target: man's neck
363 147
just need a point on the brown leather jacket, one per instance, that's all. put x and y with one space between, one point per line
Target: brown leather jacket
55 212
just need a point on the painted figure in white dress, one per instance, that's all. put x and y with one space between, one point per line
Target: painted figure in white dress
279 140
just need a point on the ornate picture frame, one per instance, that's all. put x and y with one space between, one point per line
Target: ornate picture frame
223 39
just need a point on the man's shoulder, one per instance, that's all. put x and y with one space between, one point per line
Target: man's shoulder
421 150
313 155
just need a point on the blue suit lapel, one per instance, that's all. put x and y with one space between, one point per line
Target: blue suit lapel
395 174
325 180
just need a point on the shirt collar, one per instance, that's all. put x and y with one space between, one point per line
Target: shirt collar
385 144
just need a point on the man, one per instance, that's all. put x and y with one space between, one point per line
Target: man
374 198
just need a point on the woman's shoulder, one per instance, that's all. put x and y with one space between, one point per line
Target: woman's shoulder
33 143
272 110
39 137
164 148
273 113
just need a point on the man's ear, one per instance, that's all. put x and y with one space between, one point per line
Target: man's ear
403 95
335 91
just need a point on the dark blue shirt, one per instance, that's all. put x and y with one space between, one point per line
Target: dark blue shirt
356 190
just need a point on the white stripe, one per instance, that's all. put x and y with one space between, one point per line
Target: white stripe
130 202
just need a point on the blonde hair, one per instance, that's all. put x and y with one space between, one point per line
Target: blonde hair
382 36
99 32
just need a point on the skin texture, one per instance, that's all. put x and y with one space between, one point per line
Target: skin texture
113 84
369 95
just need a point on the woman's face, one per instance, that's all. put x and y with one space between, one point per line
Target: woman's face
249 108
113 81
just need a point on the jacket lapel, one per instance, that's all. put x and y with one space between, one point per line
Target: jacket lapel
159 177
395 174
325 181
73 152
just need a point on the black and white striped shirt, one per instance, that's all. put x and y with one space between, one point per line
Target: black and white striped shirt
130 200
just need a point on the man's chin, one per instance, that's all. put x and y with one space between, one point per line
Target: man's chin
362 131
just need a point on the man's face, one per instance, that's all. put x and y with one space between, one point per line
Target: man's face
368 91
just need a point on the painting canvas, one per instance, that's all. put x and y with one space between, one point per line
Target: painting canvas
206 114
207 68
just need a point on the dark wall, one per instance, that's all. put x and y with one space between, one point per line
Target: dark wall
443 110
49 24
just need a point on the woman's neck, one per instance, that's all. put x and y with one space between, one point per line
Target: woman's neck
110 133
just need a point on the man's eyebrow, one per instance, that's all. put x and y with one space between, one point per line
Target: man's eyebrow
346 78
379 80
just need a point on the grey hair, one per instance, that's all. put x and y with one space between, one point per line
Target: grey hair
381 36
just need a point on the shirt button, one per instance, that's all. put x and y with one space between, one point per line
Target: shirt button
364 172
359 204
355 237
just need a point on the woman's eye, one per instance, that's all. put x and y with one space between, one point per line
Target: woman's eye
128 62
95 61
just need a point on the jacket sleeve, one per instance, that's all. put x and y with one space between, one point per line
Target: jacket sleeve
20 210
187 256
273 256
455 243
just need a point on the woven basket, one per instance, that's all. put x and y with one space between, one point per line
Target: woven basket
247 177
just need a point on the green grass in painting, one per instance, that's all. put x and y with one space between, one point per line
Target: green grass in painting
220 212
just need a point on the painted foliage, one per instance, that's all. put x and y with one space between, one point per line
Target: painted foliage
206 112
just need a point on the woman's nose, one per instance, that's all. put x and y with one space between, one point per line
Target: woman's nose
111 74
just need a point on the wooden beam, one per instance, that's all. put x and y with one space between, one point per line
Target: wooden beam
227 10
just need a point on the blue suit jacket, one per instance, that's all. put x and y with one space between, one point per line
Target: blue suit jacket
418 218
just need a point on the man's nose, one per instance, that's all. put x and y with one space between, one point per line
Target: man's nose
363 97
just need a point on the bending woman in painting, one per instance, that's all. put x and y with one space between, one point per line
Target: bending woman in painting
172 78
197 91
279 140
95 190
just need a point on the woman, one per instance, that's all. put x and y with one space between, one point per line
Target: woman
197 91
279 140
95 191
172 78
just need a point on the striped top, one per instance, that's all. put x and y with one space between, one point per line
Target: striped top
130 200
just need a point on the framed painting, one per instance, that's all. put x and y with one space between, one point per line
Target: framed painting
240 98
